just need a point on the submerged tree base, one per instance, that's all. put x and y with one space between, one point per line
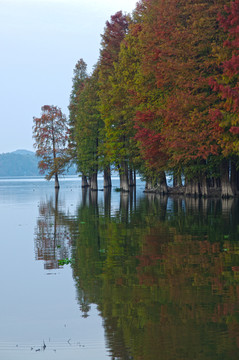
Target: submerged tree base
183 190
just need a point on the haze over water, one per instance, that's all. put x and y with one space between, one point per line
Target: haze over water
99 275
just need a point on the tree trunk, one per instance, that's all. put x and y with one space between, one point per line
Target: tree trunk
57 186
162 187
204 187
234 177
132 177
158 186
107 177
192 188
148 185
212 183
84 182
227 190
93 183
124 178
177 180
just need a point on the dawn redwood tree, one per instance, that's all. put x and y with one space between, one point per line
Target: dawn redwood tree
78 84
119 124
51 133
87 129
226 85
114 33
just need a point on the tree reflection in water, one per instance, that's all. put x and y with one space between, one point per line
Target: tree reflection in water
164 273
52 236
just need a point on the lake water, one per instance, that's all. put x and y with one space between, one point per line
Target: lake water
98 275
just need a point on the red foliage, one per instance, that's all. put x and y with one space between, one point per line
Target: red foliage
177 58
227 84
115 31
151 141
230 24
50 132
145 117
234 130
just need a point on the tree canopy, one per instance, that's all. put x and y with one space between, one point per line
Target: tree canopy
163 98
50 132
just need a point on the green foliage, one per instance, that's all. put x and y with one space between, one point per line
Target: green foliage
66 261
115 136
78 82
88 126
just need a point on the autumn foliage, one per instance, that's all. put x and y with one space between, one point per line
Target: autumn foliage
226 85
167 93
50 132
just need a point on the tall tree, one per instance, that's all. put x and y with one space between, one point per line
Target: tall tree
51 134
88 129
119 125
78 83
226 85
114 33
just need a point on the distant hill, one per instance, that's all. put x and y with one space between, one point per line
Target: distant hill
21 163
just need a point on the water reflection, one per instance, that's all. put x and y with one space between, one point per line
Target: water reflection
164 273
52 236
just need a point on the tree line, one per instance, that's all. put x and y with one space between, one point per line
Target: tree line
163 99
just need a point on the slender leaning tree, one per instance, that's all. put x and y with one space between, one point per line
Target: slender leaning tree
50 132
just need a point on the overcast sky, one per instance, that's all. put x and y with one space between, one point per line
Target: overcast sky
40 43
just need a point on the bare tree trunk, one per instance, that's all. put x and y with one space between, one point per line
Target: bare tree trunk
84 182
148 185
158 186
131 178
212 183
162 187
107 177
204 186
93 183
234 177
57 186
124 178
177 180
192 188
227 190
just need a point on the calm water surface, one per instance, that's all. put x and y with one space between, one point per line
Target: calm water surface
87 275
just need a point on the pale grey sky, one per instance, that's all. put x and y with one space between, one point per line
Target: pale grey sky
40 43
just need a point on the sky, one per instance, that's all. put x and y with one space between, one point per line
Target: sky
40 43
